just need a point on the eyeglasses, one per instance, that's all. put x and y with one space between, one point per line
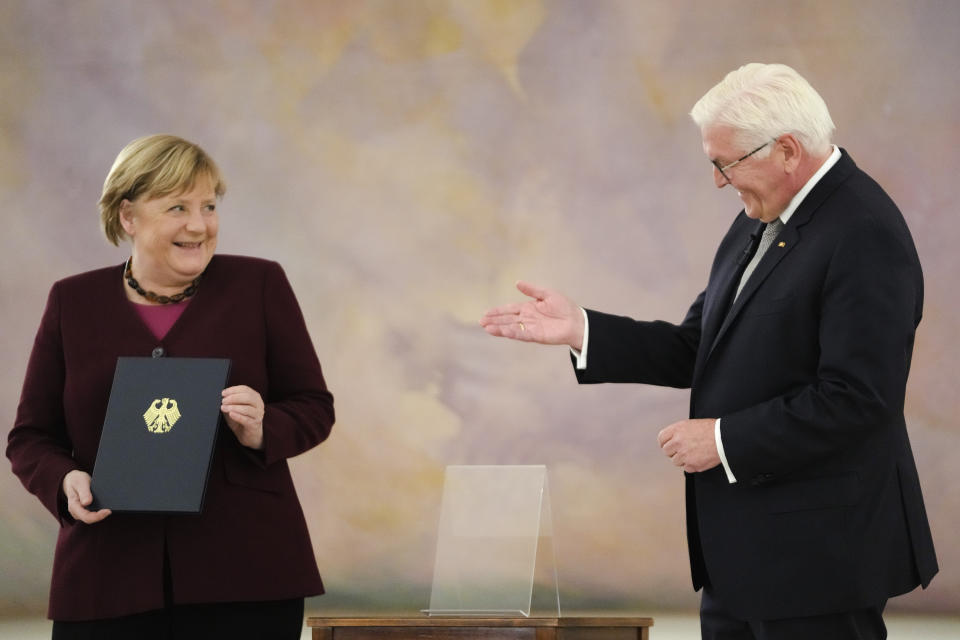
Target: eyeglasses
727 167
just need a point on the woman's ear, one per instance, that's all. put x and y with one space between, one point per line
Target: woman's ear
126 217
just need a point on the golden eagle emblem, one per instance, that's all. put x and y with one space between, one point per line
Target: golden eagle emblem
161 415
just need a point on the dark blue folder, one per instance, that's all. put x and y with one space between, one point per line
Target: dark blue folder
158 434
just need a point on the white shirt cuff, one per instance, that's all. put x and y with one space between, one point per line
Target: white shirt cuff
723 458
581 355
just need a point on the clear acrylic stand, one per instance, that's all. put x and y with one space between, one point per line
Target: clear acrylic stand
495 554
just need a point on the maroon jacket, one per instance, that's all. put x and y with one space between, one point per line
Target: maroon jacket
251 541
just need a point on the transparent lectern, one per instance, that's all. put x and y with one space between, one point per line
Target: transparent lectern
495 551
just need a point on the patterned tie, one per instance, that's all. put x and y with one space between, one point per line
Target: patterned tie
769 235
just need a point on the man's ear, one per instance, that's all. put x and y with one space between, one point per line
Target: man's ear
792 152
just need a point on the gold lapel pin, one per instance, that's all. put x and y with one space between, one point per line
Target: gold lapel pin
782 244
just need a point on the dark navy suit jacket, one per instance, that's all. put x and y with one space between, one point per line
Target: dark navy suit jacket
807 371
251 541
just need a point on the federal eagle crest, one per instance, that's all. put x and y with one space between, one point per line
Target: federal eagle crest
161 415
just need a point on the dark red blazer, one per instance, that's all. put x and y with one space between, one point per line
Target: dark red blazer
807 371
251 541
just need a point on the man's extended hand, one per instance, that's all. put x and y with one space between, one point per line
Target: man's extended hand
550 318
691 444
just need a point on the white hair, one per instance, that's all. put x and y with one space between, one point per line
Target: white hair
762 102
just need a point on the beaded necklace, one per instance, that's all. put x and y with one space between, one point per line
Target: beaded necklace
153 297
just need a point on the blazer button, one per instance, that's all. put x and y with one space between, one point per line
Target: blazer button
763 478
158 352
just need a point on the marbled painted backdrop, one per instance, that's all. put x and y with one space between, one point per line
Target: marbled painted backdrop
407 161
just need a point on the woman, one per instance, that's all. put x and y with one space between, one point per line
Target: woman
242 568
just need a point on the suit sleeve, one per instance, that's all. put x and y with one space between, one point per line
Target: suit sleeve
627 350
870 305
38 446
299 409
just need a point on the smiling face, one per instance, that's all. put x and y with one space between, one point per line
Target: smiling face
173 236
764 181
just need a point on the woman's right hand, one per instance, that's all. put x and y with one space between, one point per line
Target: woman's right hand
76 487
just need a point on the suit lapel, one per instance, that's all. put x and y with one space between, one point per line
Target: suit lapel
786 241
726 281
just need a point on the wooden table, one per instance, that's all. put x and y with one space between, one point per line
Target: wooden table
469 628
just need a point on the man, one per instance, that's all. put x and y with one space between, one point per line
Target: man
804 510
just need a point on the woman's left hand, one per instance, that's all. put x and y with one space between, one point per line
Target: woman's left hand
243 409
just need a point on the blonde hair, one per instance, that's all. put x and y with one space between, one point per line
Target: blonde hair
155 165
762 102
